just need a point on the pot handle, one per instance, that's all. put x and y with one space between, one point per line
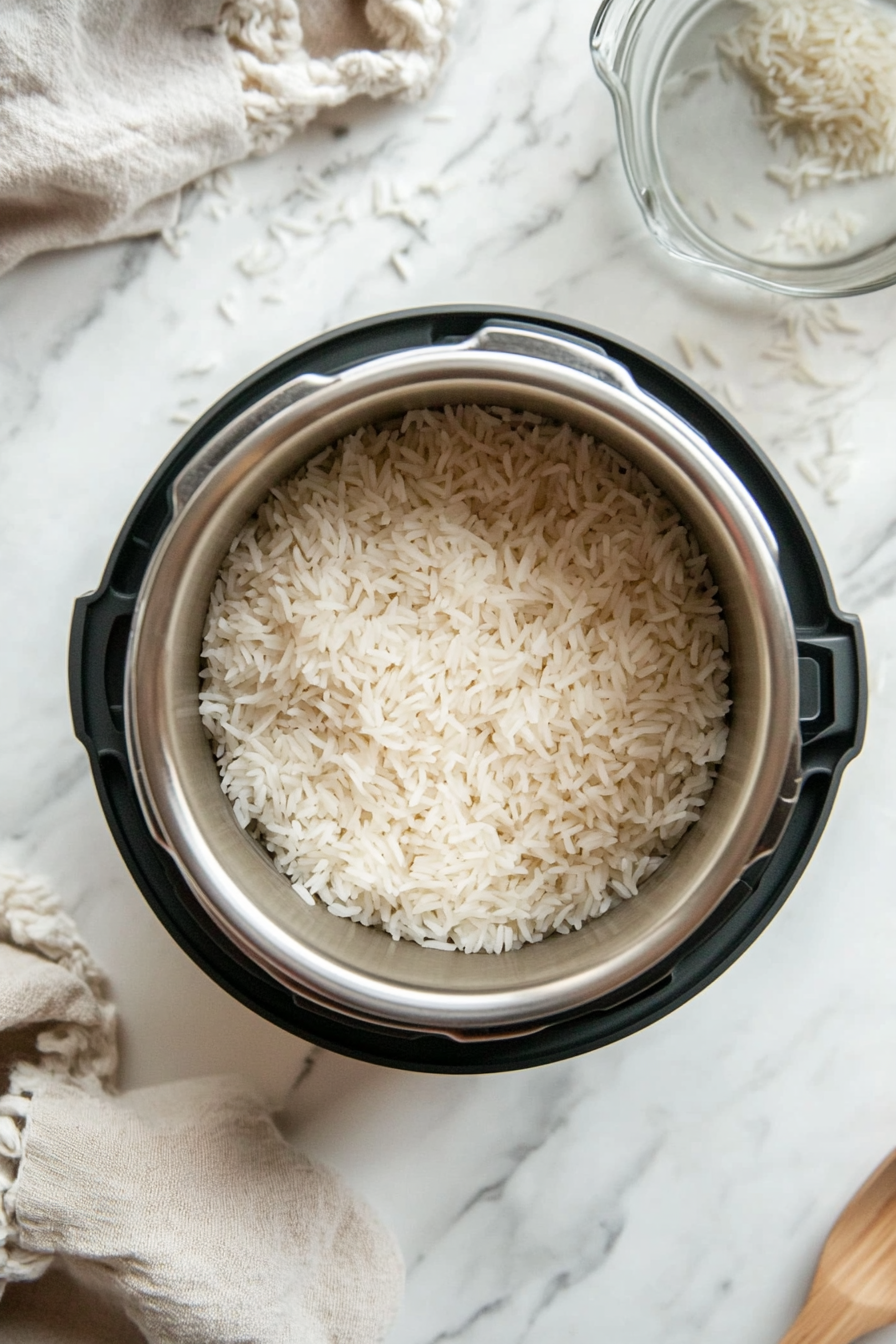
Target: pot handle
832 694
203 464
515 338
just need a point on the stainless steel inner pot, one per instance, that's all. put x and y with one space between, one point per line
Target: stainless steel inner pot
361 972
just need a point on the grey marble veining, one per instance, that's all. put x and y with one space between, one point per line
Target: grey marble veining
674 1187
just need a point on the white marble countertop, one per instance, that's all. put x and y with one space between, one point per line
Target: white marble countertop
674 1187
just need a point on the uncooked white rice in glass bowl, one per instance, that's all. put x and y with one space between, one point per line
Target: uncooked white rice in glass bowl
730 110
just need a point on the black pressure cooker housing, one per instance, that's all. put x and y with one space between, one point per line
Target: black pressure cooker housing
833 695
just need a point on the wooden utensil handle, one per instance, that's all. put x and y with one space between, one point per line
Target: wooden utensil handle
829 1318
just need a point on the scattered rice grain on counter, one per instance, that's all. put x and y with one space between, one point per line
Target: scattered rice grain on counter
401 265
171 241
228 310
825 72
261 259
466 678
795 321
299 227
204 366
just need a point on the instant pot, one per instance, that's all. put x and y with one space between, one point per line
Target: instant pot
798 691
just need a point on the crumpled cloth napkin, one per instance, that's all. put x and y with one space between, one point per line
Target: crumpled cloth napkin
109 107
181 1203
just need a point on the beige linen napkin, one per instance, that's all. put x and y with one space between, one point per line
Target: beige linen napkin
182 1204
109 107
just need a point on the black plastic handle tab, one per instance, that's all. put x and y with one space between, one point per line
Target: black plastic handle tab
101 626
833 692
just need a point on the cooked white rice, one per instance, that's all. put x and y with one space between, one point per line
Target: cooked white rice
825 71
466 678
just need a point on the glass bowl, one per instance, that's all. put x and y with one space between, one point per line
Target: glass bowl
698 161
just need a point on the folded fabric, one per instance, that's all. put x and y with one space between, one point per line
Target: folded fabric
182 1203
56 1309
109 107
